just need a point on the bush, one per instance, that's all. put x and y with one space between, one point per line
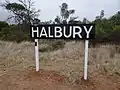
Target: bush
13 34
112 53
117 48
45 48
3 25
57 44
51 45
113 50
115 36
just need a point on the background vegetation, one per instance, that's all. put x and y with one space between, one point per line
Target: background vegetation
24 14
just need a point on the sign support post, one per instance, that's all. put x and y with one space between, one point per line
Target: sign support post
86 59
36 55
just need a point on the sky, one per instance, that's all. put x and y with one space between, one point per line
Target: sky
84 8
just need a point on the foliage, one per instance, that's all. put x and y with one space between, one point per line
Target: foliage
12 33
107 29
22 11
65 15
3 24
51 45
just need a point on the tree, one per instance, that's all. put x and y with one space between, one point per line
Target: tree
108 29
65 15
115 19
85 21
22 12
101 15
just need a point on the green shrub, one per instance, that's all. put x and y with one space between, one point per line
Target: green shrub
13 34
3 25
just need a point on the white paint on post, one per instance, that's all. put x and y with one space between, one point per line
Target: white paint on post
36 55
86 60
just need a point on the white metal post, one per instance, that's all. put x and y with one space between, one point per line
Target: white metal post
86 59
36 55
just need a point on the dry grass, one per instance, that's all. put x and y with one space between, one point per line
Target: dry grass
68 61
15 56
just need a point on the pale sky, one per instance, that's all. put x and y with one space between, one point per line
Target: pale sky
84 8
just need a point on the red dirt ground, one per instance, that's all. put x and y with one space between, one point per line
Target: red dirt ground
49 80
